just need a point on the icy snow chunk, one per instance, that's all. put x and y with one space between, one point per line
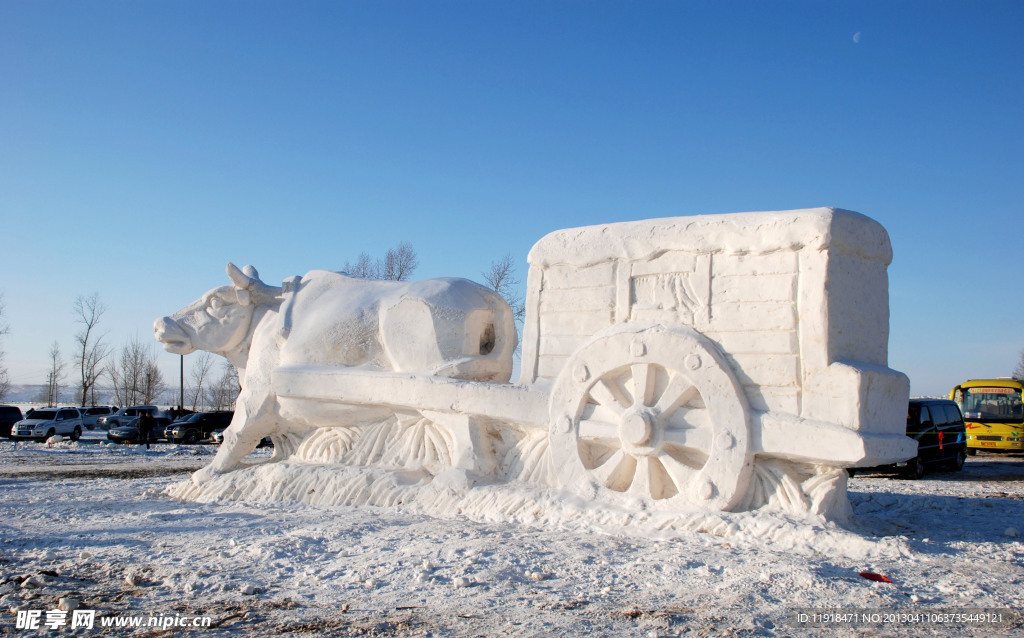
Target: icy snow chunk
67 604
462 581
1012 532
48 555
248 589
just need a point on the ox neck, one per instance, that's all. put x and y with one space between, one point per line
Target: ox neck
238 356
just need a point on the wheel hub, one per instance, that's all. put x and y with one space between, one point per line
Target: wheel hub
636 429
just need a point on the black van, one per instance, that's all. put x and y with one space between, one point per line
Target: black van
9 415
938 427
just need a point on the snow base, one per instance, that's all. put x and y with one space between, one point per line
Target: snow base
456 493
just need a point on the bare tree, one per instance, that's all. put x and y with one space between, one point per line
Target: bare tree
224 393
5 380
398 264
501 277
364 267
90 351
1018 372
200 378
55 378
135 377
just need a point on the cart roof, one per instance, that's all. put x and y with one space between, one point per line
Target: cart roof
755 232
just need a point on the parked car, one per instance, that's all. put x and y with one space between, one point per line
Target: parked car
938 427
129 432
125 415
44 423
166 433
91 414
9 415
200 427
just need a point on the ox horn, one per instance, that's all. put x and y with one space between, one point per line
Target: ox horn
249 280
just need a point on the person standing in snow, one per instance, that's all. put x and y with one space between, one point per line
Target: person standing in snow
145 427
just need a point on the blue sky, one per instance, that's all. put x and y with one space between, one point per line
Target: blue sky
145 144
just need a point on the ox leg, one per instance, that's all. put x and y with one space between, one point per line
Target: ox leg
248 427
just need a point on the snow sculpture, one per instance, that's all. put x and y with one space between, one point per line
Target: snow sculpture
711 363
444 327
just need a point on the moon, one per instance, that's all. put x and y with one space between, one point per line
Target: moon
856 38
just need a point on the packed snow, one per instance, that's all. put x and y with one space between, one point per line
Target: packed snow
90 526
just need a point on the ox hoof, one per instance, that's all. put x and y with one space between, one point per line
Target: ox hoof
204 475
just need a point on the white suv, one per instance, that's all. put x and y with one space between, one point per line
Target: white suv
46 422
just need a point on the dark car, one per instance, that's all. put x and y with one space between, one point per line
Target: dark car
9 415
125 416
165 434
199 427
938 427
129 432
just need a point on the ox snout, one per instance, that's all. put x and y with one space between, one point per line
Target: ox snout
168 332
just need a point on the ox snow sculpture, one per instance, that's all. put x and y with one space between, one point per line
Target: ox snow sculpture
711 363
444 327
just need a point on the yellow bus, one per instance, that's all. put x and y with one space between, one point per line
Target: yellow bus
993 413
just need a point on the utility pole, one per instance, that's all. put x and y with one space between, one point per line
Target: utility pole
181 379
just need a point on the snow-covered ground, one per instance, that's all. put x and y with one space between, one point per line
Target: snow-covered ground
91 522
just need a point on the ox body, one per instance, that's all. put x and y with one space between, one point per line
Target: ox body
438 327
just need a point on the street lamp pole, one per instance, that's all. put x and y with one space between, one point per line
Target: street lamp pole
181 379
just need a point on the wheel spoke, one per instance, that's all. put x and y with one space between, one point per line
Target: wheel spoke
616 472
641 485
643 383
696 438
609 395
680 473
595 429
696 418
679 392
598 412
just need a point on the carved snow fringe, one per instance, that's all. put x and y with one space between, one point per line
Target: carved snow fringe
406 442
419 443
528 460
325 445
798 489
285 444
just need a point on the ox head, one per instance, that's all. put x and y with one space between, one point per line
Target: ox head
219 320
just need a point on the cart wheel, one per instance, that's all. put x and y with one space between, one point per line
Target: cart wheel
655 413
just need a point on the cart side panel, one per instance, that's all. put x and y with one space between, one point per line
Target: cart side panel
754 320
573 304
